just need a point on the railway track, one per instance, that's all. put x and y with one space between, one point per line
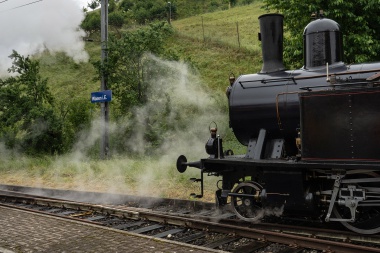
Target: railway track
195 225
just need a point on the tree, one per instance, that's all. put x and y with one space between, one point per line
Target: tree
125 66
126 5
27 118
358 20
94 4
91 22
147 11
129 73
116 19
111 6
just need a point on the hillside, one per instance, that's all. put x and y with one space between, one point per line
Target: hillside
215 55
68 79
216 52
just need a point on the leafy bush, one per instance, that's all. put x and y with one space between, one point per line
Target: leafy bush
91 22
124 68
116 19
27 117
144 12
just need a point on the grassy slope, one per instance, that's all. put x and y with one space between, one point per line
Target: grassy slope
68 80
217 54
222 26
215 58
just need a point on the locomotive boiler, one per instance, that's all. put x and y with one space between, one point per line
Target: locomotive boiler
312 134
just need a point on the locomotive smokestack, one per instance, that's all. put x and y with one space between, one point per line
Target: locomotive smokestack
271 37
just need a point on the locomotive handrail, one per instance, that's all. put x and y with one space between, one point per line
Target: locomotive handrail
338 74
279 80
272 80
310 88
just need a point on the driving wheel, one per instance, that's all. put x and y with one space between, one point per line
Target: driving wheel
367 214
244 201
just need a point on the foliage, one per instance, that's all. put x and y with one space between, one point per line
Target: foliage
358 20
116 19
74 121
111 6
147 11
91 22
125 66
27 118
143 12
93 4
126 71
150 10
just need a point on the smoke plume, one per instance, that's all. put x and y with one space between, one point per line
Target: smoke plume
178 99
31 27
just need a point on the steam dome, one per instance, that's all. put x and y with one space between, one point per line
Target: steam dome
322 43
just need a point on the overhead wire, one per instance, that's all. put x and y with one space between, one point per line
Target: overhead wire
20 6
26 4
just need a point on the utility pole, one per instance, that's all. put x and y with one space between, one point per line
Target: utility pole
170 13
104 142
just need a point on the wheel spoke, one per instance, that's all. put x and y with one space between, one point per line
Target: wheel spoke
246 207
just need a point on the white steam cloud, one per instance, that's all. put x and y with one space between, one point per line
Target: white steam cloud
192 109
178 98
31 27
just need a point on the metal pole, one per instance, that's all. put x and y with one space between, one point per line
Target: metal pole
203 29
104 145
170 12
238 35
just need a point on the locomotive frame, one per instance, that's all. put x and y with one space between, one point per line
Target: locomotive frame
311 134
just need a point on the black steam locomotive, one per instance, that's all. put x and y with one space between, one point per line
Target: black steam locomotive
312 134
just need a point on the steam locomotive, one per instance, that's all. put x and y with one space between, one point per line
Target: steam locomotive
312 134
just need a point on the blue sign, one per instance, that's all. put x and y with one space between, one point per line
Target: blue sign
101 96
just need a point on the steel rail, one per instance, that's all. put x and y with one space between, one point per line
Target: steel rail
292 240
261 234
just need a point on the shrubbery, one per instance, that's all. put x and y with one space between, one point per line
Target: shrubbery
28 121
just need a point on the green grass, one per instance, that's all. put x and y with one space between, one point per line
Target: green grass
224 26
67 79
219 54
156 177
